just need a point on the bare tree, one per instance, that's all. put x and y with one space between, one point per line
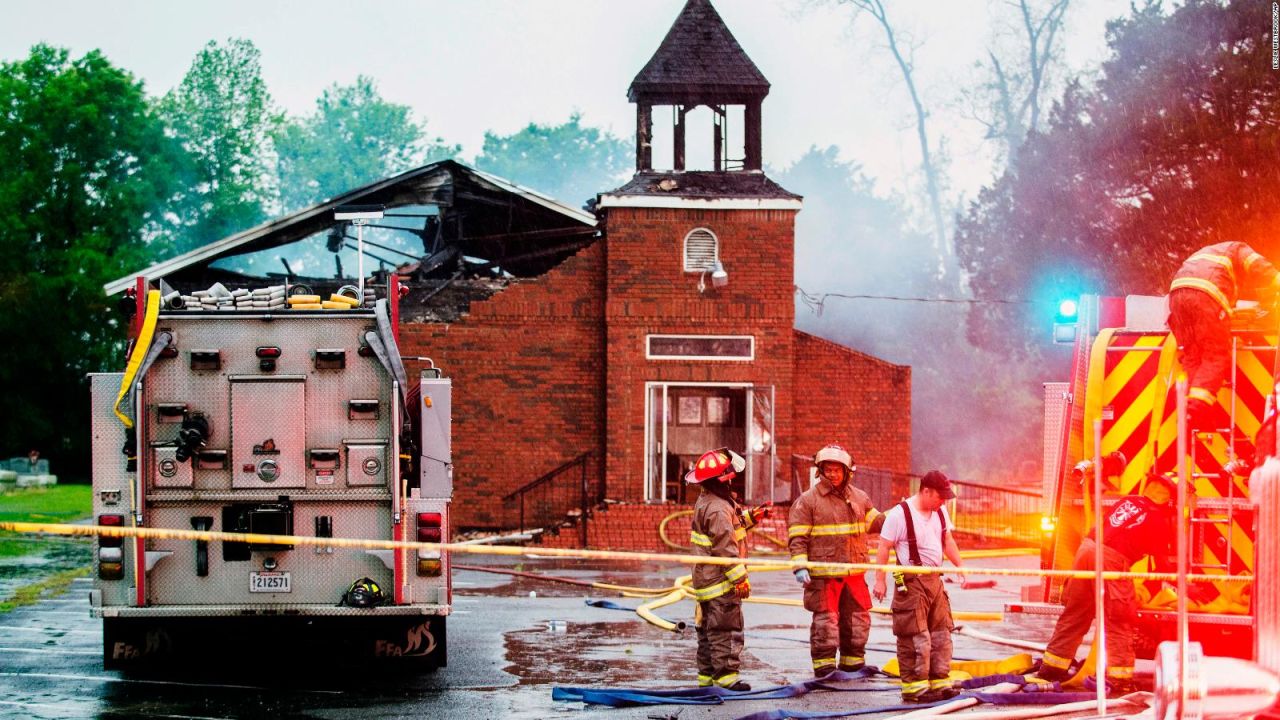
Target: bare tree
1009 98
902 54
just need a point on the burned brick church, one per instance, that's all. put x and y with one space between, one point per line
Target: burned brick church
597 353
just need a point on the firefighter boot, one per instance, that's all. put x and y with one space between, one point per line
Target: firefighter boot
1048 673
1116 687
932 695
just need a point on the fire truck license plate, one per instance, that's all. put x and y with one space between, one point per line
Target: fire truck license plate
269 582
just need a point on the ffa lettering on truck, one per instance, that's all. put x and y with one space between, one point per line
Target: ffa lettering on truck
260 417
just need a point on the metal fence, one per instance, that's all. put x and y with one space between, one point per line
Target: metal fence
1000 514
997 513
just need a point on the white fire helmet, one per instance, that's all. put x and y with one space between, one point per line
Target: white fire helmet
836 454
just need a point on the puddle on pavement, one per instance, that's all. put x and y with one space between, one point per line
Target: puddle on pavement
565 652
599 654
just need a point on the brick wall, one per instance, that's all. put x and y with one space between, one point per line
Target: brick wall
649 292
635 527
528 370
855 399
555 366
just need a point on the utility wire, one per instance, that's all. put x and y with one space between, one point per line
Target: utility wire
817 302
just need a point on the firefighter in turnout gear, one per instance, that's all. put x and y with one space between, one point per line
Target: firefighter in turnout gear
719 530
919 530
1202 298
829 523
1137 526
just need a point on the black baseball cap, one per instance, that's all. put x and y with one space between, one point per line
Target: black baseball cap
938 481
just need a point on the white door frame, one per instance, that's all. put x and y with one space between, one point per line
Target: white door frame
648 429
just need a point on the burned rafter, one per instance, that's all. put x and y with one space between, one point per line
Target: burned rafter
465 213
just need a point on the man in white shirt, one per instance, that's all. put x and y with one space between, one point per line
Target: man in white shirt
919 529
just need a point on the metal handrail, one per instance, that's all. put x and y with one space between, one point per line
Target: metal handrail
546 478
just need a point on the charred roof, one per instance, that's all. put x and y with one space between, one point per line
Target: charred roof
698 61
704 185
442 221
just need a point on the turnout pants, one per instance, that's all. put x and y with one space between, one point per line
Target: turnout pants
1203 329
841 608
922 624
720 640
1120 610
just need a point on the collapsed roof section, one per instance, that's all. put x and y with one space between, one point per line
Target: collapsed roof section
445 225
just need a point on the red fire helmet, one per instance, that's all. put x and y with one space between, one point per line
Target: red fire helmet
722 464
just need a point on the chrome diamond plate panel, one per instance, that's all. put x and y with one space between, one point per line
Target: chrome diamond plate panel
319 575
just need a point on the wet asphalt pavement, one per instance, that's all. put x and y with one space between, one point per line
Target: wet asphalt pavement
506 652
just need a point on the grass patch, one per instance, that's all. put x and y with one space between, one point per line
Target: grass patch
55 504
49 587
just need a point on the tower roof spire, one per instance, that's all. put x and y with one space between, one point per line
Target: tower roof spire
699 61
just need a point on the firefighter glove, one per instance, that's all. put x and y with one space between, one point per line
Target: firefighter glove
744 589
802 576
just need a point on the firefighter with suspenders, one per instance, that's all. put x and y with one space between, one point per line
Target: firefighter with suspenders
919 530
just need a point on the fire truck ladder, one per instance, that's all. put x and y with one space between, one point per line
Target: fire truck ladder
1221 512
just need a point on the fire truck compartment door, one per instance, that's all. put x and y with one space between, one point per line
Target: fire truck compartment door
268 431
366 463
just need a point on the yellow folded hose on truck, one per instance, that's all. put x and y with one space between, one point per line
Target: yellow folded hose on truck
140 348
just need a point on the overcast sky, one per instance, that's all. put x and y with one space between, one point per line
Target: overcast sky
475 65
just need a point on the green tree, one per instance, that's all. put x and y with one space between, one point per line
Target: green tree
223 116
570 162
1173 147
354 138
87 169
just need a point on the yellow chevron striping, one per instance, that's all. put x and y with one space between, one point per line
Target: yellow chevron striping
1129 365
1242 541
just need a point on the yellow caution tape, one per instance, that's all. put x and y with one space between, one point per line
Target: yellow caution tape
258 538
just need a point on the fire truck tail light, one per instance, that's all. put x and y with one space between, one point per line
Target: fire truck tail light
111 555
429 567
111 571
110 521
1047 524
267 357
429 529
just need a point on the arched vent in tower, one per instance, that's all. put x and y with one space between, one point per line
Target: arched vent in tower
701 250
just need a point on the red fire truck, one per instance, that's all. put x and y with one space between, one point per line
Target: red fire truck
1124 371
